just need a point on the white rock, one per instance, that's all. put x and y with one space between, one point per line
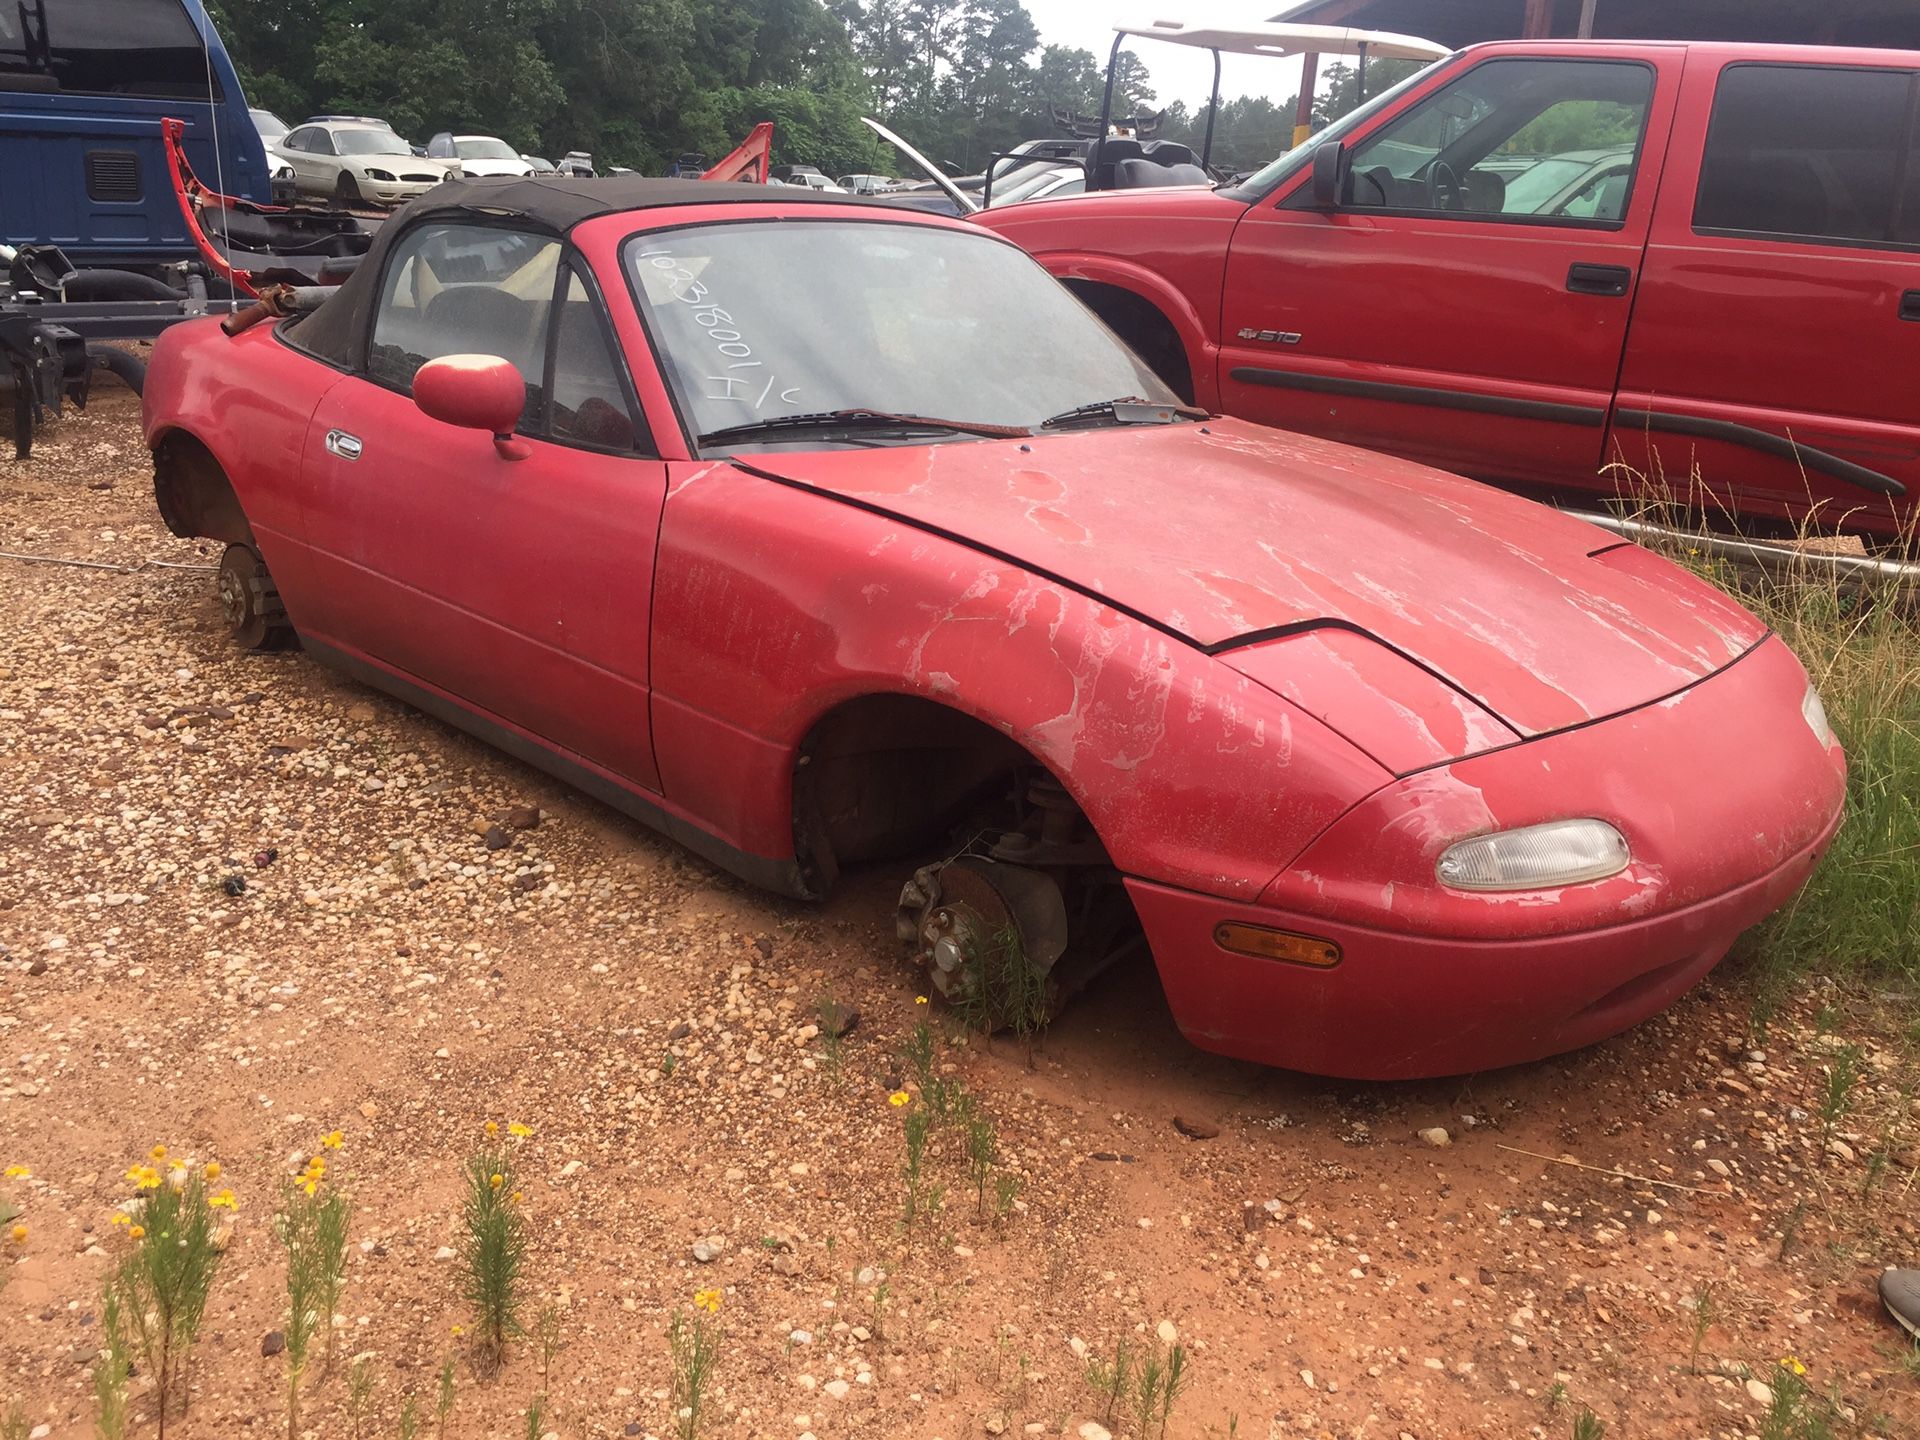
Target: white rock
1168 1335
445 1252
709 1248
1094 1430
1306 1378
1760 1392
1437 1137
837 1389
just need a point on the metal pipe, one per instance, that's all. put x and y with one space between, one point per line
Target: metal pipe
1361 82
1106 116
1213 111
1303 107
1767 556
1587 8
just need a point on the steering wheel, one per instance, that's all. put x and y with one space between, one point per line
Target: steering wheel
1444 191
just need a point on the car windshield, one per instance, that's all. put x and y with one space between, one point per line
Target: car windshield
368 141
904 319
1264 181
270 125
1539 183
484 148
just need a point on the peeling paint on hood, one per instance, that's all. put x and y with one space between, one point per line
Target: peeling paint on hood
1226 534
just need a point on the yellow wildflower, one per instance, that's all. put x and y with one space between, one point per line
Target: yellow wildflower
1792 1363
157 1154
899 1098
515 1197
496 1180
122 1219
144 1177
19 1234
316 1167
519 1131
707 1300
18 1172
920 1000
493 1128
137 1232
309 1184
458 1331
212 1172
333 1140
223 1201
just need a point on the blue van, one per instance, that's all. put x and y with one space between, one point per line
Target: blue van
84 85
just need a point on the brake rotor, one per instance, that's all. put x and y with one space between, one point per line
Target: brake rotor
959 915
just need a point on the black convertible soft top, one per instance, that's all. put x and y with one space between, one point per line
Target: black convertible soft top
336 332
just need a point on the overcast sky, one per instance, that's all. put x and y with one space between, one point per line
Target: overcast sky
1179 73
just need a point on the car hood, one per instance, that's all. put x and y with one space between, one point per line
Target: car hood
1235 537
496 167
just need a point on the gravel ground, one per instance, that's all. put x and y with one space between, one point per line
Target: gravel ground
244 903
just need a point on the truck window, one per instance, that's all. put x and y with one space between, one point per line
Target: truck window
1514 140
145 48
1812 152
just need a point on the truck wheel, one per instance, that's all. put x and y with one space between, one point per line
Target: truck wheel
346 190
250 602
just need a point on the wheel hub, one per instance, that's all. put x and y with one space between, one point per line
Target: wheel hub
963 917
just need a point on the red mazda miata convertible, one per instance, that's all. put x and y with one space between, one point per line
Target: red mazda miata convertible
819 534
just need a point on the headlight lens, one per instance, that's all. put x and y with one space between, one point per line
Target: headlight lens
1815 714
1538 857
373 174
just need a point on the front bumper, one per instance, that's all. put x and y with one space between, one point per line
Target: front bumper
1724 794
1405 1007
393 192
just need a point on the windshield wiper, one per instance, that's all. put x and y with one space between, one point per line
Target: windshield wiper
1127 410
859 419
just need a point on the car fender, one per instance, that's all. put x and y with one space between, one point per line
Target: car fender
1194 330
775 604
245 401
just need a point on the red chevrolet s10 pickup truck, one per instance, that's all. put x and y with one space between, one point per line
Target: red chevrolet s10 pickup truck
1532 262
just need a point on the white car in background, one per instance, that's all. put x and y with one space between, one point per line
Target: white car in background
355 161
479 154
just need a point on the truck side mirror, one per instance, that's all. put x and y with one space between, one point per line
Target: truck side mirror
1331 175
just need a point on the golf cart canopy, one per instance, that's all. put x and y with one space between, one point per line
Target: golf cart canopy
1275 40
1278 41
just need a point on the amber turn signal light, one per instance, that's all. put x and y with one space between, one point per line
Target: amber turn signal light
1264 944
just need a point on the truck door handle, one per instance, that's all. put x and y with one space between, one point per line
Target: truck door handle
1599 279
346 446
1910 305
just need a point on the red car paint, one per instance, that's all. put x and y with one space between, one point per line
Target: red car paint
1278 675
1461 340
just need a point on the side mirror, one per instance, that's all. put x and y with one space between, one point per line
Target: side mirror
1330 175
475 392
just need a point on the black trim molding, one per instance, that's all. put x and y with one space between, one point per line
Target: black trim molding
782 876
1439 399
1764 441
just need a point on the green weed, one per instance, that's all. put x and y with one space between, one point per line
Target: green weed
493 1252
693 1342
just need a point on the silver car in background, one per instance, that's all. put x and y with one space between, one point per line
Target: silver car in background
355 162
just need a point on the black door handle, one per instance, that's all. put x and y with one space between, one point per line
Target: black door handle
1910 305
1599 279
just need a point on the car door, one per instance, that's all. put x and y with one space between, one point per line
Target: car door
295 150
1776 339
1420 314
519 589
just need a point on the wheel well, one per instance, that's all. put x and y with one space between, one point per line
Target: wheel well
1144 327
194 495
888 775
